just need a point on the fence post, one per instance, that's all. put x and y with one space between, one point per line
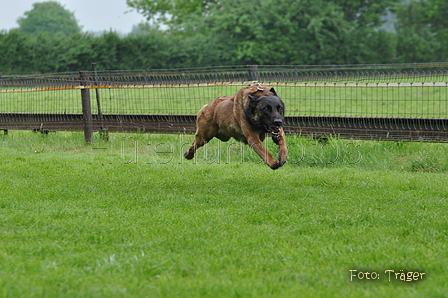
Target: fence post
86 108
254 74
98 101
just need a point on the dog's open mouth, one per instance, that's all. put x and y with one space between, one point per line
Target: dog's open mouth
273 129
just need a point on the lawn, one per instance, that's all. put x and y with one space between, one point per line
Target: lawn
129 217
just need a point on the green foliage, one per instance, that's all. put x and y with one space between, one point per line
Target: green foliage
235 32
278 32
364 13
262 33
171 12
50 18
422 30
16 54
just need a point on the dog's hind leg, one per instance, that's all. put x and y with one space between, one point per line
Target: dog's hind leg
206 130
197 142
201 137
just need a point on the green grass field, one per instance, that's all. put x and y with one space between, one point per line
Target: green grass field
129 217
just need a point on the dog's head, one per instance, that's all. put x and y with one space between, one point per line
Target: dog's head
265 110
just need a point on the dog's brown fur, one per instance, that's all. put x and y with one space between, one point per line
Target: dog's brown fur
247 117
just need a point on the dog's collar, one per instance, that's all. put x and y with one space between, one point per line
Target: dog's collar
259 87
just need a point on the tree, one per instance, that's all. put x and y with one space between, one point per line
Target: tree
50 18
171 11
422 29
365 13
361 12
14 47
289 32
277 32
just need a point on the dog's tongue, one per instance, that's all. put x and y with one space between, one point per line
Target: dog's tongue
274 130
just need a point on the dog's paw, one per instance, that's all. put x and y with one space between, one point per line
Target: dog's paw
277 165
188 155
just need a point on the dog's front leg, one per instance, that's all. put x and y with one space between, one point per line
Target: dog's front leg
256 144
279 139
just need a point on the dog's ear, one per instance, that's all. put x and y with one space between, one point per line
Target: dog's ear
273 91
252 96
252 104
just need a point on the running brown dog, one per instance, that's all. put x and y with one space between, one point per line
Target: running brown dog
248 116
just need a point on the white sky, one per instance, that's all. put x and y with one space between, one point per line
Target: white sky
92 15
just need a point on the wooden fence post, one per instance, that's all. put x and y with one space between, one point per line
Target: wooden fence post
86 108
98 101
254 74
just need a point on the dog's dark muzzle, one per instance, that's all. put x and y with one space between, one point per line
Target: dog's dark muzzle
275 128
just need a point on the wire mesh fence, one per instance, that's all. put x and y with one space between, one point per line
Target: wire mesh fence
423 100
389 102
404 90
